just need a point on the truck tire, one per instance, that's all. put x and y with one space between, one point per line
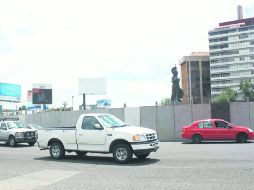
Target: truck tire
122 153
57 150
12 141
81 153
142 156
31 143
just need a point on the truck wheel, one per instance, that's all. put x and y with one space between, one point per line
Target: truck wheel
241 138
122 153
12 141
57 150
81 153
142 156
31 143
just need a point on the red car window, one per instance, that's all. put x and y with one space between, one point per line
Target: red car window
205 124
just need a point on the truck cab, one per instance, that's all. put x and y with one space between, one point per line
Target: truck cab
101 133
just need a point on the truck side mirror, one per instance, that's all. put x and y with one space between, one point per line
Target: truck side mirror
98 126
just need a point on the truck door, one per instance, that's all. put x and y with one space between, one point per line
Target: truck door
91 135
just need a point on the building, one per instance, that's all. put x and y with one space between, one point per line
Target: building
231 53
195 71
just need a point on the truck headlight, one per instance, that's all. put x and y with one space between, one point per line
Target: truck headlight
250 130
139 138
36 134
19 135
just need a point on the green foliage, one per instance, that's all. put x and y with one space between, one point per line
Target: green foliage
165 101
180 95
227 95
246 89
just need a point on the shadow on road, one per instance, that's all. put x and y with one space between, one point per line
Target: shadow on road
100 160
219 142
17 145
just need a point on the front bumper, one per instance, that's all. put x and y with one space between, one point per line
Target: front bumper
251 136
145 147
25 140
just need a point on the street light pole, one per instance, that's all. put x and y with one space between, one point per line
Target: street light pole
72 102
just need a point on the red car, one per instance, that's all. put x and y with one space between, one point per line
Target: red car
216 129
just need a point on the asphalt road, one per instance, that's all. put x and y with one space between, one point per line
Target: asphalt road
224 165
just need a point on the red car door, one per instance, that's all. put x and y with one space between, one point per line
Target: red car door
206 130
223 130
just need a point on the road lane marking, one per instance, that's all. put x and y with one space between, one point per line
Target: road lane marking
36 179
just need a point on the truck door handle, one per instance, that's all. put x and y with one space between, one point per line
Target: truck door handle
80 134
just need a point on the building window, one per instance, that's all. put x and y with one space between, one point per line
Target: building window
223 46
243 36
243 29
214 33
242 58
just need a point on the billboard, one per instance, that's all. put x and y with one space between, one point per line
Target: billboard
92 86
10 92
29 95
103 103
42 94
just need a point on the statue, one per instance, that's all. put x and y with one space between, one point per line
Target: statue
177 92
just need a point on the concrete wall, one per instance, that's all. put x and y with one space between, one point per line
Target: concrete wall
167 121
148 117
252 115
132 116
240 113
201 111
183 116
118 112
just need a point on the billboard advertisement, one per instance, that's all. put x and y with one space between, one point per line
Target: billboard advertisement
10 92
103 103
92 86
29 95
42 94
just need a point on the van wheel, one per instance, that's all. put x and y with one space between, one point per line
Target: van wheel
122 153
81 153
57 150
12 141
196 139
241 138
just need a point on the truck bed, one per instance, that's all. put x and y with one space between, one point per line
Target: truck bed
67 135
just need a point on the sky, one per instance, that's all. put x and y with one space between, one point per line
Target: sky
133 44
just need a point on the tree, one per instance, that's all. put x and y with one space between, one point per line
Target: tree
246 87
227 95
165 101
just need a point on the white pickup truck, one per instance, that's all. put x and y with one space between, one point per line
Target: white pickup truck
13 131
99 133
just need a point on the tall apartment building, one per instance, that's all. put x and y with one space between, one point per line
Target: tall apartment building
231 53
195 71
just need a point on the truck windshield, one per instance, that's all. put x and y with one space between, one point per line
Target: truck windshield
12 125
111 121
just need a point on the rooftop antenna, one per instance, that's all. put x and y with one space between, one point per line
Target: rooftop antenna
239 12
